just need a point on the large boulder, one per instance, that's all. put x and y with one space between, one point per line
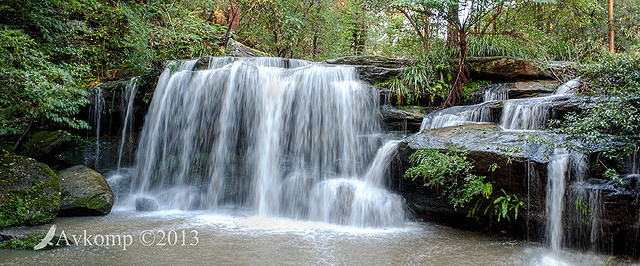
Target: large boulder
373 68
29 192
84 192
517 69
515 90
58 149
371 60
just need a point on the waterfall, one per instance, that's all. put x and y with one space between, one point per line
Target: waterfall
95 118
457 115
267 134
496 92
525 114
126 105
556 179
568 87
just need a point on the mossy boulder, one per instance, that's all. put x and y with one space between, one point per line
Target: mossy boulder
58 149
29 192
45 142
84 192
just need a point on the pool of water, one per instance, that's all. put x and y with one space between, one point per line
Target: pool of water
197 237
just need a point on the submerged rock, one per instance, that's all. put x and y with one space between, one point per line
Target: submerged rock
29 192
146 204
84 192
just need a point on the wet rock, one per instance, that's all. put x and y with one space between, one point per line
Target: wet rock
402 120
536 88
84 192
516 69
146 205
29 192
521 168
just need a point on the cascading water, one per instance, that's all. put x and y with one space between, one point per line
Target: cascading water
95 118
496 92
126 104
457 115
268 134
556 179
525 114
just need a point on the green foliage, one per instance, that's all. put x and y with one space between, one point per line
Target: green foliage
449 172
36 90
472 85
428 79
582 206
505 204
614 75
502 45
611 119
30 241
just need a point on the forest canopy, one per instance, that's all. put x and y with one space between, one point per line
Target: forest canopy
52 52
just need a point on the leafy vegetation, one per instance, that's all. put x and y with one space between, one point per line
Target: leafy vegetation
611 119
451 173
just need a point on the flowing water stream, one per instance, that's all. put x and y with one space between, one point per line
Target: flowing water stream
272 161
243 239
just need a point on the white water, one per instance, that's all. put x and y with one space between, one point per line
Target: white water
457 115
496 92
95 118
127 104
556 179
517 114
280 141
526 114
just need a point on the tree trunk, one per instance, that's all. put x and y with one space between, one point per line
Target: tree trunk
452 30
612 47
455 94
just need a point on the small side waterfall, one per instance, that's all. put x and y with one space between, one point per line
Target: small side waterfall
525 114
273 135
458 115
127 103
496 92
95 119
556 179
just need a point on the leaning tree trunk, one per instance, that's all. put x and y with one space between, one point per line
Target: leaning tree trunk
455 94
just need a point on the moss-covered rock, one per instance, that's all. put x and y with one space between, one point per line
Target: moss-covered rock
29 192
45 142
84 192
30 241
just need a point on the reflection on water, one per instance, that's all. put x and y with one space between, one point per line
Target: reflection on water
238 238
